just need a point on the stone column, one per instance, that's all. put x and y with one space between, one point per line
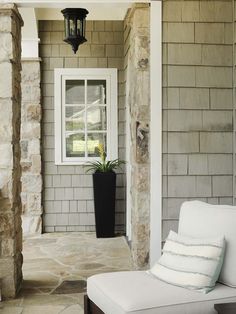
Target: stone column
10 170
31 195
139 109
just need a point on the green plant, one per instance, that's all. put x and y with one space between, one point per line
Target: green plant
104 165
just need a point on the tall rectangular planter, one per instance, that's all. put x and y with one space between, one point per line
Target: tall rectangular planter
104 188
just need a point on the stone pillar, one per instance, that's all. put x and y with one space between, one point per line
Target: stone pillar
31 195
10 170
138 92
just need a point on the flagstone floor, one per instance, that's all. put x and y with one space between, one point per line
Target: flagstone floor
56 266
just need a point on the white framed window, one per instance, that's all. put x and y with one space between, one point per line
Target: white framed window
85 104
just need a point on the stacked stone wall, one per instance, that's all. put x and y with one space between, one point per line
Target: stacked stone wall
197 105
10 170
137 41
31 195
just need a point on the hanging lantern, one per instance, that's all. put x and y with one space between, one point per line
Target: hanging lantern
75 25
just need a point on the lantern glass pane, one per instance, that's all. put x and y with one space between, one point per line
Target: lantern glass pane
79 30
66 21
72 28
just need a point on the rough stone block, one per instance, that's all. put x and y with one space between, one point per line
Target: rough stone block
177 164
5 24
6 80
184 120
6 157
31 183
198 164
178 32
194 98
220 164
181 76
220 77
186 54
6 51
216 142
222 185
217 120
221 98
183 142
217 55
209 33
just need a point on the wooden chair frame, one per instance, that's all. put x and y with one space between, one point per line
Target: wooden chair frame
90 307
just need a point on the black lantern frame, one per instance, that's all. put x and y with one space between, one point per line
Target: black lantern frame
75 26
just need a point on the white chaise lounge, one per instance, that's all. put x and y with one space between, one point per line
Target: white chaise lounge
136 292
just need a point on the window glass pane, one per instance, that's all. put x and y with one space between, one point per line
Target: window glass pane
94 139
75 145
96 118
96 90
75 118
75 92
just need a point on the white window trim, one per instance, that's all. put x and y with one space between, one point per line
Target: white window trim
112 117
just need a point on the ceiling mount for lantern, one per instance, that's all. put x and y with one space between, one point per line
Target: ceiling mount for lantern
75 25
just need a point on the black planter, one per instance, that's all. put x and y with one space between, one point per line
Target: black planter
104 189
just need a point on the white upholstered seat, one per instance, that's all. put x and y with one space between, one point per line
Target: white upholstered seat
136 292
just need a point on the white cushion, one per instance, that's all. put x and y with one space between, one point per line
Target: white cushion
199 219
136 292
190 263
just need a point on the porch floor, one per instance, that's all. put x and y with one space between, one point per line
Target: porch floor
52 259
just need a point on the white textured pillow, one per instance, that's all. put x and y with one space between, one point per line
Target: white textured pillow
190 263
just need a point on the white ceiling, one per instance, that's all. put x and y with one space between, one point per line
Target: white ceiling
98 9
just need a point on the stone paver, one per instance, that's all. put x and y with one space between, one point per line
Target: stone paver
52 258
